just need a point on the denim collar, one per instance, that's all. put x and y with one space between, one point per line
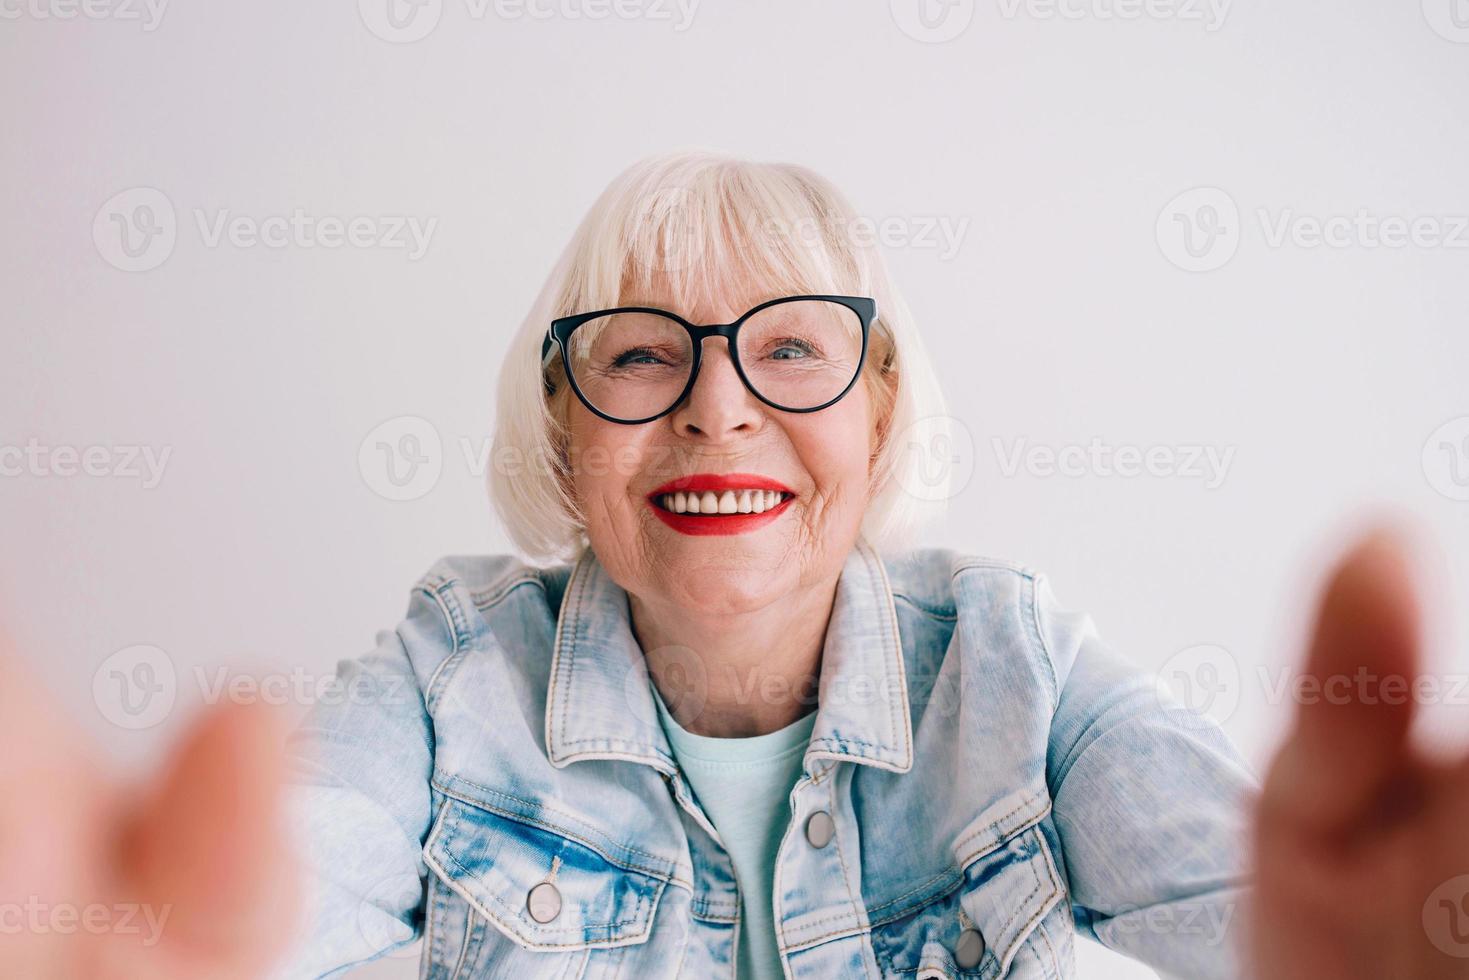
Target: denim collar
599 704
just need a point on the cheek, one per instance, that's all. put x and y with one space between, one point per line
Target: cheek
592 453
835 446
605 459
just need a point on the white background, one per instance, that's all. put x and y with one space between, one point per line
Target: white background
1052 145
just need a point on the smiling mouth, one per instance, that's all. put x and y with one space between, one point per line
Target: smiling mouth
720 503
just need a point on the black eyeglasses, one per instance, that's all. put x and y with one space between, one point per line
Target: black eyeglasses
635 364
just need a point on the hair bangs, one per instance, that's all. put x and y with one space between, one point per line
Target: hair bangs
715 236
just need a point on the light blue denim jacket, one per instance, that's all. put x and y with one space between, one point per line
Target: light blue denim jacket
989 765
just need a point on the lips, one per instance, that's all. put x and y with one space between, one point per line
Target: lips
720 503
719 482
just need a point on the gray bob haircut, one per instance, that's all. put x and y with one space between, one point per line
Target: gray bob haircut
703 223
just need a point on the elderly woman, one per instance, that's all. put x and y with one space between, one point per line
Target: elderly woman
725 724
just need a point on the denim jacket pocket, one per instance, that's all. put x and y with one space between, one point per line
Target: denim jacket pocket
1004 895
583 901
1016 897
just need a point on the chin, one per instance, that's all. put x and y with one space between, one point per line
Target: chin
724 589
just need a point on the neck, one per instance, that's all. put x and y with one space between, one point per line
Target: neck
735 675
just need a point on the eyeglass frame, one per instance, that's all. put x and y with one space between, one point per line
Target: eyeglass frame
559 336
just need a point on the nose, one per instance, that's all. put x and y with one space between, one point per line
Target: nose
719 407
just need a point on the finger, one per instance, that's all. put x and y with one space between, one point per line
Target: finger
204 849
50 803
1355 709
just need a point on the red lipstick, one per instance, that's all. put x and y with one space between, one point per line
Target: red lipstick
708 524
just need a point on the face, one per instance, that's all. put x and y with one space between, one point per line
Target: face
722 438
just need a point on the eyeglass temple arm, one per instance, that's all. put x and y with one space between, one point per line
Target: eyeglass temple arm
548 354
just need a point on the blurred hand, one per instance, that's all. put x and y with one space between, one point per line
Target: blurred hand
185 878
1357 836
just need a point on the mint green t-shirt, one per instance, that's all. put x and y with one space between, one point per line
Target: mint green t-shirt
744 786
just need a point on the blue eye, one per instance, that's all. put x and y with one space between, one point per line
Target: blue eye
791 349
636 356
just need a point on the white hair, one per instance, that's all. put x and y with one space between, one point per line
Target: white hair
704 222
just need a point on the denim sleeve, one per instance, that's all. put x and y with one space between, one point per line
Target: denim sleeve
1151 802
360 805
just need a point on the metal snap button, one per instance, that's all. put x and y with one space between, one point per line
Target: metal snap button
820 829
969 950
543 902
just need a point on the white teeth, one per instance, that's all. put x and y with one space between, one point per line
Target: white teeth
726 502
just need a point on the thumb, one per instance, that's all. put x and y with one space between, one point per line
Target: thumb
204 848
1355 708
